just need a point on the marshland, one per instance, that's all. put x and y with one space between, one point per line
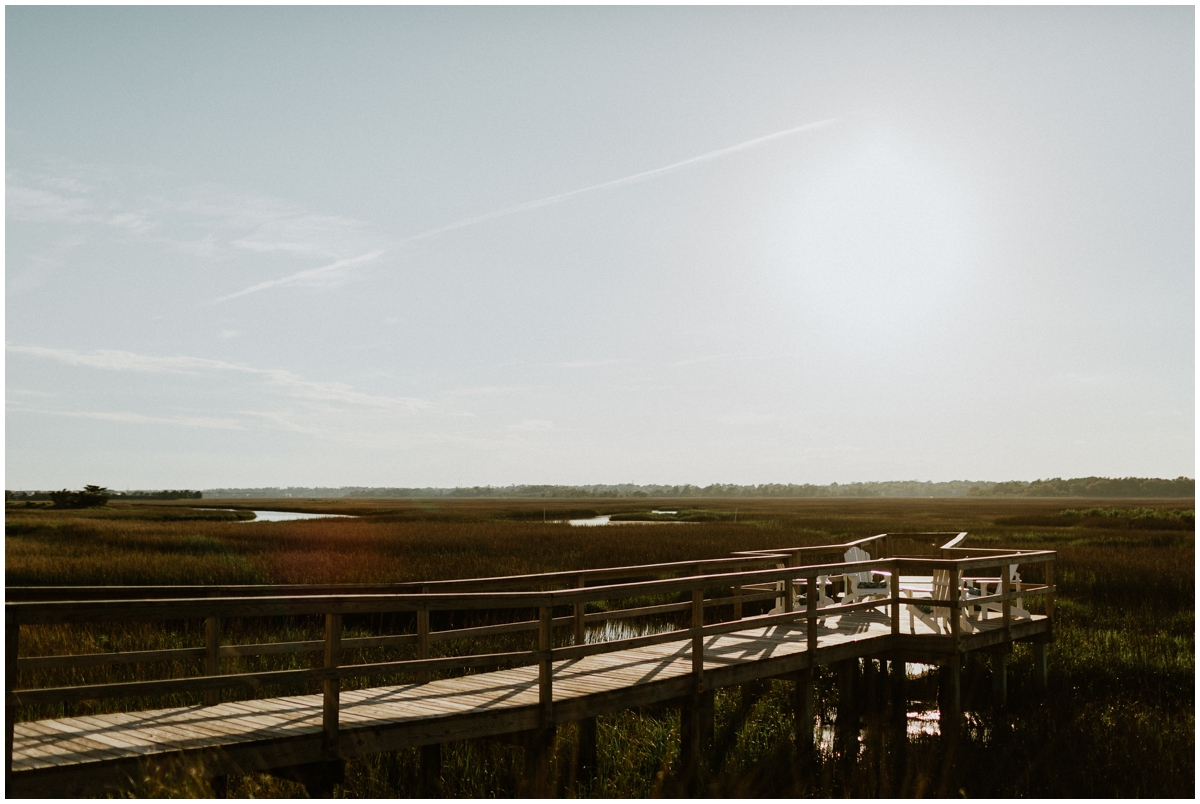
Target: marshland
1117 719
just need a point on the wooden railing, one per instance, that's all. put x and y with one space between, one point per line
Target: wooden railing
542 580
705 590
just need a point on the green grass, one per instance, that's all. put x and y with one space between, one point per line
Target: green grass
1118 719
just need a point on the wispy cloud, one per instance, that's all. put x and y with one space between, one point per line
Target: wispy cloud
205 221
552 199
280 380
42 206
137 418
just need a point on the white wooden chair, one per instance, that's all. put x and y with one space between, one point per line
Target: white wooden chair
994 586
938 617
823 599
864 585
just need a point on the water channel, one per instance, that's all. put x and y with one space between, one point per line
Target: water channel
280 516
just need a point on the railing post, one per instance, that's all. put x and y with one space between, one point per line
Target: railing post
698 638
810 609
580 610
545 665
895 597
1006 601
12 636
737 602
789 586
212 656
423 641
331 687
955 606
1050 591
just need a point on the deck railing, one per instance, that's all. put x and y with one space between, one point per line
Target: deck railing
713 586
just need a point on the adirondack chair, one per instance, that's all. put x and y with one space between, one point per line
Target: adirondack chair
864 585
823 599
938 617
994 586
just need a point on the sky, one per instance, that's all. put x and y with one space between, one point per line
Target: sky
469 246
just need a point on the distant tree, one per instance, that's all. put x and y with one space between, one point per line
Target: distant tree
90 497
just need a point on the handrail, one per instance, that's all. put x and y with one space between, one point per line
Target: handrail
49 612
62 661
494 584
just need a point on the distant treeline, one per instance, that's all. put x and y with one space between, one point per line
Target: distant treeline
45 496
1056 487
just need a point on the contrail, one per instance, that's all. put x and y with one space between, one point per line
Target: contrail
541 202
324 269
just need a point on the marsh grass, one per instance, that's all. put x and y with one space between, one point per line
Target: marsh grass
1117 721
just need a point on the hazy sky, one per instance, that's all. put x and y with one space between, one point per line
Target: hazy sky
459 246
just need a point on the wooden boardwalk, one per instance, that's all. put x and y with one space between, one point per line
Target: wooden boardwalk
88 754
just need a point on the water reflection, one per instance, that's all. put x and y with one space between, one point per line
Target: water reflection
623 629
279 516
586 523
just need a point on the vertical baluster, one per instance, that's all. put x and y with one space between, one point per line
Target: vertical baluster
422 642
789 586
331 687
895 590
580 610
737 602
955 606
545 664
1050 590
811 611
212 656
698 638
12 636
1006 600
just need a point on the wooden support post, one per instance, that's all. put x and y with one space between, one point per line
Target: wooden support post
431 771
1000 677
708 727
539 761
737 602
220 786
545 665
802 702
580 611
899 689
691 745
585 764
212 657
698 639
1040 669
12 636
869 691
331 687
846 725
895 590
951 693
318 778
